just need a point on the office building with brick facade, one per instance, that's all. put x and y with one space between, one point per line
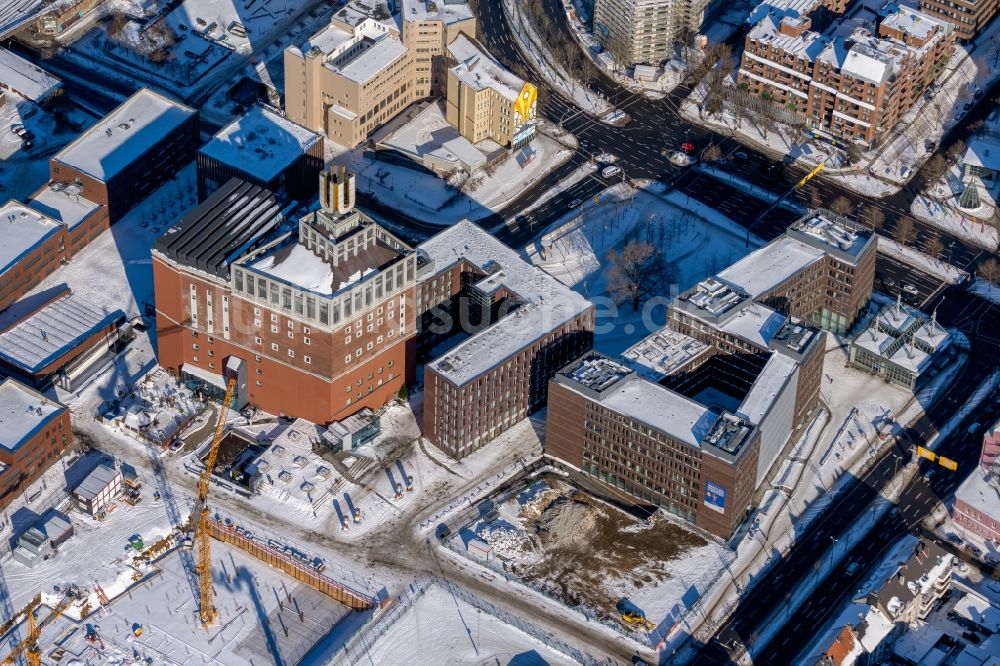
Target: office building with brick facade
129 153
855 80
977 500
498 329
313 321
34 431
264 148
822 269
34 246
968 16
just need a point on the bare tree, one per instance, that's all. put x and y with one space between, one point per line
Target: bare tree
935 247
841 205
638 272
874 217
955 150
815 198
712 153
905 230
989 270
935 167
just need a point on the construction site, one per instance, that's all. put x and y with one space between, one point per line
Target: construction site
208 590
629 571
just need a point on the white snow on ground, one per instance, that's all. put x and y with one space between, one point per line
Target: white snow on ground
427 197
921 261
441 628
858 403
534 50
696 239
945 217
984 289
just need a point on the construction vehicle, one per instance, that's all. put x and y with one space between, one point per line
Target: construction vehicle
29 646
633 617
206 607
93 637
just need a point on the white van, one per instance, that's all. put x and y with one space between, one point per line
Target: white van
611 170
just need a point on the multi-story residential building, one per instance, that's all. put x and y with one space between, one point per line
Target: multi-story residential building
968 16
429 26
129 153
645 31
909 594
514 326
266 149
822 269
853 86
34 431
977 500
348 79
485 101
313 322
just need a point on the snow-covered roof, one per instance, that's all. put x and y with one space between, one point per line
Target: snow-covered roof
25 78
261 143
548 303
447 11
979 493
207 376
830 233
39 339
983 150
124 135
363 66
979 610
430 133
754 322
300 266
23 229
866 64
917 643
781 8
681 418
63 202
772 379
96 481
55 526
477 69
662 353
14 13
764 269
911 22
808 45
23 412
327 40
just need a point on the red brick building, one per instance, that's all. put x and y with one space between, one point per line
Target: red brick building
977 500
514 326
129 153
34 431
968 16
33 246
314 323
853 86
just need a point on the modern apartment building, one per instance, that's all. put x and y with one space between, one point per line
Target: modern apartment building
855 80
498 328
822 269
348 79
313 319
968 16
129 153
485 101
645 31
429 26
34 431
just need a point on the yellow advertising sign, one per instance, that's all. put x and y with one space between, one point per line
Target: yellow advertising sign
948 463
926 453
525 104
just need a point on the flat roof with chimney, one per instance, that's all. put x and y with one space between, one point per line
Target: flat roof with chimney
124 135
23 229
260 142
23 413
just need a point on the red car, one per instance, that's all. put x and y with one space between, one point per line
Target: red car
687 147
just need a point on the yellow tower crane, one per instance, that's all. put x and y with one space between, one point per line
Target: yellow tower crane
206 607
29 646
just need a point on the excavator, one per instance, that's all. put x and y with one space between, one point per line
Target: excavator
206 608
634 617
29 646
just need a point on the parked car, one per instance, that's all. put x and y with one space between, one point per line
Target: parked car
910 289
611 170
740 155
575 203
852 568
973 429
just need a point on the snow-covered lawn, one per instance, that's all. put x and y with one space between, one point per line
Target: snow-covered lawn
441 628
945 217
427 197
696 239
